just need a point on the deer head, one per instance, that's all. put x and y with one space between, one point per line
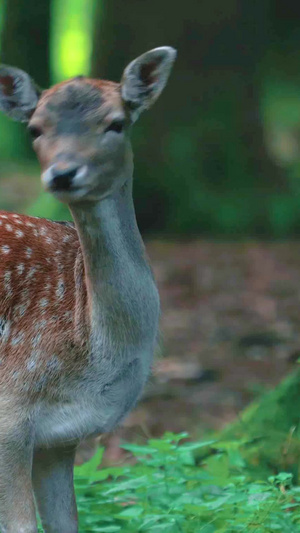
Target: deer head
80 128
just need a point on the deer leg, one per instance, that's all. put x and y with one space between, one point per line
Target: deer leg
52 476
17 509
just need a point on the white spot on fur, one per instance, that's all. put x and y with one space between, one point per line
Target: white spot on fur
8 227
20 310
31 364
20 268
5 249
69 316
25 301
40 383
2 325
40 324
31 272
25 296
44 302
28 252
4 329
7 283
60 290
59 267
19 233
36 340
17 339
53 363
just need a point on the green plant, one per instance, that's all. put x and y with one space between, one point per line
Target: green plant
168 491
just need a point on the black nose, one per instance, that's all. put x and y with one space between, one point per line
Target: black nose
62 178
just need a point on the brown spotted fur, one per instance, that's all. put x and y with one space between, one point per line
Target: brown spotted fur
41 274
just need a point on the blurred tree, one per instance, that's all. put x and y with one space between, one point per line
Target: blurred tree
72 24
201 154
25 37
201 160
25 44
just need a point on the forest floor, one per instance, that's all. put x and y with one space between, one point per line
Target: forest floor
229 331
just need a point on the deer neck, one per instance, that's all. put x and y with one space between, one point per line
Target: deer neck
123 304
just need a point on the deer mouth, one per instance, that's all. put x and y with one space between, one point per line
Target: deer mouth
66 183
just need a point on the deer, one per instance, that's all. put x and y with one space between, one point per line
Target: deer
79 306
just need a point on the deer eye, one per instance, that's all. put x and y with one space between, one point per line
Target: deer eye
116 125
35 132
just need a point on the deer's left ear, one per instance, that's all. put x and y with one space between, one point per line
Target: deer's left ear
18 93
145 77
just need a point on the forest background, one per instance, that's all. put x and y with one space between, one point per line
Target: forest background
217 183
219 156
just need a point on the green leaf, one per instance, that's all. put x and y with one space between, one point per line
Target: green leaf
161 445
191 446
139 450
130 484
108 529
91 466
131 512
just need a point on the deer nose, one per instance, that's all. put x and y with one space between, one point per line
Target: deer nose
62 178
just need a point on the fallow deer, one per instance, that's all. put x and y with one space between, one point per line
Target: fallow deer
79 308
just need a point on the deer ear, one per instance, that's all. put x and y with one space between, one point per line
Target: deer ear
18 93
145 78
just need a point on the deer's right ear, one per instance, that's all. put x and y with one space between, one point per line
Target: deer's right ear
18 93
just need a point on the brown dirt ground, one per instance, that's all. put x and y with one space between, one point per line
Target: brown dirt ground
229 330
